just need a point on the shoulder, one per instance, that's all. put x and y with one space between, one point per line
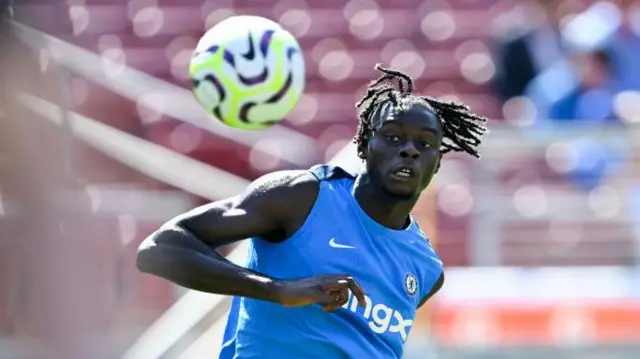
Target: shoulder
284 179
330 172
282 187
298 184
423 242
434 289
431 268
286 197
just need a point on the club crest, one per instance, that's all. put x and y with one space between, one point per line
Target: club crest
411 284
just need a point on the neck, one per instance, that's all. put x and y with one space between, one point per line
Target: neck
388 210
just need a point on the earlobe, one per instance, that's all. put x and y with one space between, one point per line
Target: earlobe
362 151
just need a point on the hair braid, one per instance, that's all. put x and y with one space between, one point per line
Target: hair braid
462 129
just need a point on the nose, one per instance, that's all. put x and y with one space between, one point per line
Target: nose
410 151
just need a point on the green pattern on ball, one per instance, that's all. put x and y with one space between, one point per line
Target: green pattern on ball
236 92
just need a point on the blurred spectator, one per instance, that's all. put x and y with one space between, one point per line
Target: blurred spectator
530 45
584 84
589 100
592 97
581 87
625 46
614 26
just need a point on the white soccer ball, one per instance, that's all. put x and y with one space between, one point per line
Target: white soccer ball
248 72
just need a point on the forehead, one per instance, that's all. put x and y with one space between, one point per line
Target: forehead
416 116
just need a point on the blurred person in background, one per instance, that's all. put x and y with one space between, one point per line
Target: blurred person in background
591 99
625 45
590 102
613 26
529 45
599 63
581 88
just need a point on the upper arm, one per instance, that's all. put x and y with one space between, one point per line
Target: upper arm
273 206
436 287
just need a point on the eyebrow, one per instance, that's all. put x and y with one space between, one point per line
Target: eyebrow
431 130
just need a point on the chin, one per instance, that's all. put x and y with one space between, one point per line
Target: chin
402 194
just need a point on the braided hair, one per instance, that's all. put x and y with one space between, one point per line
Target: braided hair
462 129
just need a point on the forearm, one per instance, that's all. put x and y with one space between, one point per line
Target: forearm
178 256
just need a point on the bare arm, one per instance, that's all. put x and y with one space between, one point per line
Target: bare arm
183 249
273 207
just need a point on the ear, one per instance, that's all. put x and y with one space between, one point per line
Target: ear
363 148
362 153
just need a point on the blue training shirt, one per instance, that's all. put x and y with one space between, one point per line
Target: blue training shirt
396 268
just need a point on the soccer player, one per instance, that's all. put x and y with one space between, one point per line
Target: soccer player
337 265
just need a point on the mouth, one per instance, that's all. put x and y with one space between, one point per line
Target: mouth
403 173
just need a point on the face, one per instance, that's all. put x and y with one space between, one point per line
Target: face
592 72
404 151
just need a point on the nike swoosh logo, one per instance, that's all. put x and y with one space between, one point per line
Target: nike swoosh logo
252 51
333 244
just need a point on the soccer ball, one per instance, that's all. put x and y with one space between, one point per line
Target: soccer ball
248 72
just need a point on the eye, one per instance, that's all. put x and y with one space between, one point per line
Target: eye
393 138
426 144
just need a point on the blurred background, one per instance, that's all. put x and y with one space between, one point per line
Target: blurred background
101 141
